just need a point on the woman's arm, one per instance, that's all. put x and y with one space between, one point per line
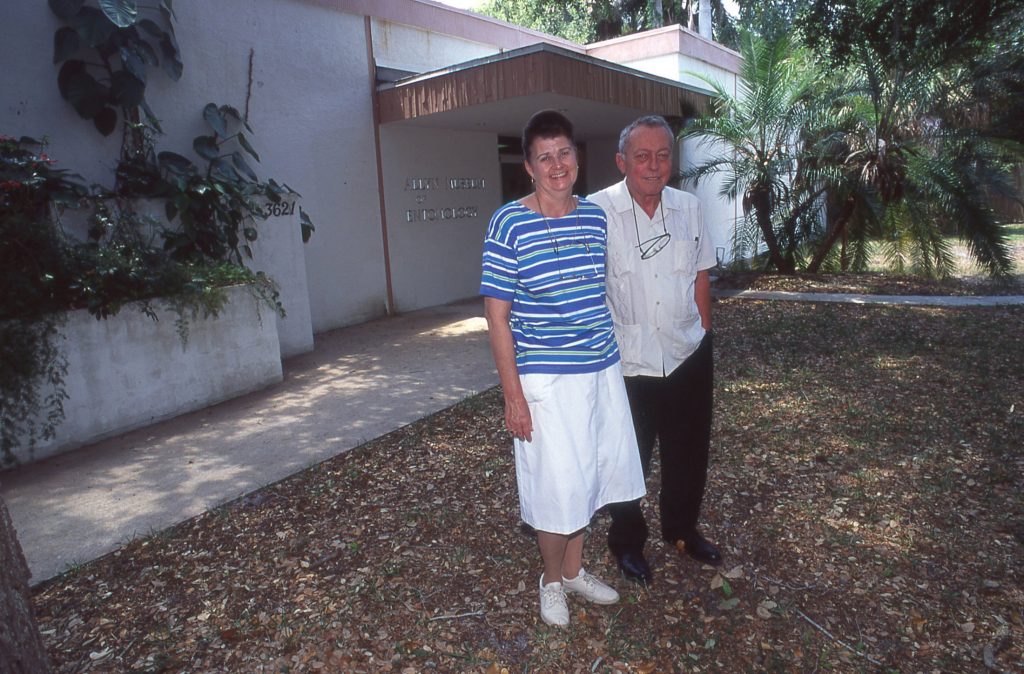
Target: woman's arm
517 412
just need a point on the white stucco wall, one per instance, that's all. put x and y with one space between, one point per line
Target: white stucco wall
278 252
418 50
129 371
309 105
441 188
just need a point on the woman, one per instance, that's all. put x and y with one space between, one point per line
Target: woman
552 340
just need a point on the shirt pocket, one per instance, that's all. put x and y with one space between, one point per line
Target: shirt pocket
684 255
686 335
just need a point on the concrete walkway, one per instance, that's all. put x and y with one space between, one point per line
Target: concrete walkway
360 383
921 300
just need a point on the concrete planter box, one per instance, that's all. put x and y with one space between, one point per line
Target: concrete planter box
129 371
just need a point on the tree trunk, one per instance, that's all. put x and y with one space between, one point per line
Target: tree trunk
832 236
760 201
21 646
704 18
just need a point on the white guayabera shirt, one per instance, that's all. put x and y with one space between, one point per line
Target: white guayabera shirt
652 301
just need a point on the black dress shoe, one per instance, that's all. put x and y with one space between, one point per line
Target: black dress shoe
697 547
635 567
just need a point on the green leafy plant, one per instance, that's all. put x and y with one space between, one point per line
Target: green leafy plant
107 50
44 273
31 271
216 205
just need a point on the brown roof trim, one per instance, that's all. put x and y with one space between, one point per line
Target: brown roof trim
536 69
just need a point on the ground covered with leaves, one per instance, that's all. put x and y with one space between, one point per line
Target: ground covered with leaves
866 490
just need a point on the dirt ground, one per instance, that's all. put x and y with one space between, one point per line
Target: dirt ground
866 489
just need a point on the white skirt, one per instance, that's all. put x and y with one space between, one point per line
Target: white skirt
583 454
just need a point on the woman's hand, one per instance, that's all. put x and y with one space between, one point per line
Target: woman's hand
517 412
517 417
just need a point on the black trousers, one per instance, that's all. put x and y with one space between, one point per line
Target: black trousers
676 411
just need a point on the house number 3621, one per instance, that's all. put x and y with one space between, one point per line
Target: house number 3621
281 208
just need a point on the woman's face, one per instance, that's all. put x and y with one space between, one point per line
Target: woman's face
552 164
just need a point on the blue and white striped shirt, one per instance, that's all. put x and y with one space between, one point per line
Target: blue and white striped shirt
552 270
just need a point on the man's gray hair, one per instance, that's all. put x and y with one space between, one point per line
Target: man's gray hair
651 121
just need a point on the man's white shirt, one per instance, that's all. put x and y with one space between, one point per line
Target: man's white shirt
652 301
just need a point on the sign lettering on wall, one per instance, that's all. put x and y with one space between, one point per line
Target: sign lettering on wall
427 190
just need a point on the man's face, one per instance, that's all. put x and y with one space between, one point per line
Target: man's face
647 161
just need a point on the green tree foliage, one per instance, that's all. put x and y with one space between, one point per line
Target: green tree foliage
770 19
932 86
870 149
758 142
574 21
586 22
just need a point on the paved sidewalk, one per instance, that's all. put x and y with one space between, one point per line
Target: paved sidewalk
360 383
922 300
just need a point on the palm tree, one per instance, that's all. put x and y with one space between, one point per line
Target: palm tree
760 141
884 150
918 153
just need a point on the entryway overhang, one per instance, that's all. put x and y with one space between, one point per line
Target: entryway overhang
499 93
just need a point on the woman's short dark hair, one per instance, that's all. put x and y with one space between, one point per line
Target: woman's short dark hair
546 124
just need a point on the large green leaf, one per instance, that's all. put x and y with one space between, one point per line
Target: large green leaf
126 90
243 168
151 27
244 142
222 170
233 112
87 96
93 26
145 51
215 118
174 162
171 58
67 71
65 9
134 64
106 120
122 13
206 147
65 44
306 224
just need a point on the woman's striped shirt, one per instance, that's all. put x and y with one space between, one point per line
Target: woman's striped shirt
552 270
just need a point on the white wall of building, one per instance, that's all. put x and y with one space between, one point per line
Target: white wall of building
419 50
130 371
441 188
309 103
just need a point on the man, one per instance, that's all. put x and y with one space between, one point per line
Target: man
659 291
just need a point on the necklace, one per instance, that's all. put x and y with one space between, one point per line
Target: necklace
580 239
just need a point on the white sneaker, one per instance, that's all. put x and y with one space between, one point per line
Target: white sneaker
590 588
553 608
